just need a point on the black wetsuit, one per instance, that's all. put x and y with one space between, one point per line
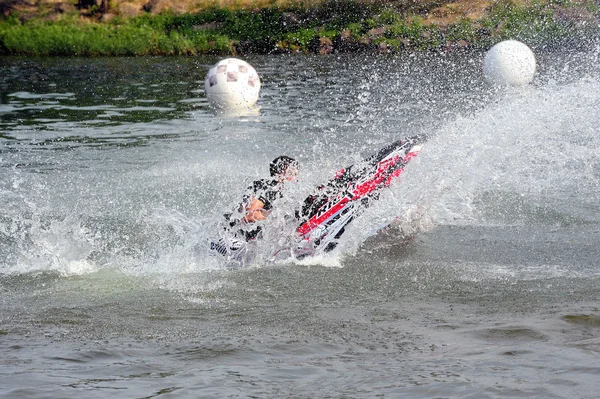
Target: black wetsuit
265 190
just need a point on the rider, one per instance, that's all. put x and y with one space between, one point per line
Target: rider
256 205
261 194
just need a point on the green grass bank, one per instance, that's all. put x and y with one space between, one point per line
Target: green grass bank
332 26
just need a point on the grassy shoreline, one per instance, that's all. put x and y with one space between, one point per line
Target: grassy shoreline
334 26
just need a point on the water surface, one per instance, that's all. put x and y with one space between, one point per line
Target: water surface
115 174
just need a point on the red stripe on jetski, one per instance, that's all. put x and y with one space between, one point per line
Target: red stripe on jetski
371 185
317 220
381 179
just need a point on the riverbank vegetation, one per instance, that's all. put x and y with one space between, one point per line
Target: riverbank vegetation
103 27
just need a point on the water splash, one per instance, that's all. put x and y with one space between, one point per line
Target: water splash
494 157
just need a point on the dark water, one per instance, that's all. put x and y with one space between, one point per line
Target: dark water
114 174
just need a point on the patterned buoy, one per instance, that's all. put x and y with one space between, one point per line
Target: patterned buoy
232 84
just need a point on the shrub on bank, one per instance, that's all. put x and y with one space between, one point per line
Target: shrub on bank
337 25
119 38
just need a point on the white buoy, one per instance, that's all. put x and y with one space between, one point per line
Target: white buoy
509 63
232 84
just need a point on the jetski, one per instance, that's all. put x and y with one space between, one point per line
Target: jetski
331 208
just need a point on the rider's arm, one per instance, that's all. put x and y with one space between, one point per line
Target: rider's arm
254 211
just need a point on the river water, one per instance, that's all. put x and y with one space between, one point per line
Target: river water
115 174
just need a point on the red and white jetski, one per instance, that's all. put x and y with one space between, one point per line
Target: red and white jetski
326 213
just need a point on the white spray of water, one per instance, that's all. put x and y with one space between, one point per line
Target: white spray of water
536 143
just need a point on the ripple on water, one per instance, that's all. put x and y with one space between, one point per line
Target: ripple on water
511 333
582 319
